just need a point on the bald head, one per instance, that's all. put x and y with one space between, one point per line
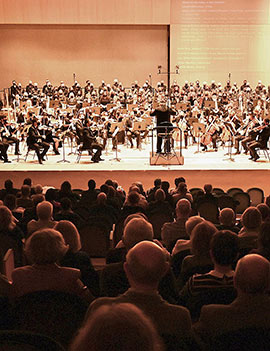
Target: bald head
183 208
252 274
101 198
44 210
227 216
146 263
192 222
136 230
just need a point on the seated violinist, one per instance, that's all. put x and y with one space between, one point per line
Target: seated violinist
89 143
261 142
35 141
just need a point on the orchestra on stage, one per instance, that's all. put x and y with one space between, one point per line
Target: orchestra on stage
88 118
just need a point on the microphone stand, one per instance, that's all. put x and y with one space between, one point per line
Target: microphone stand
64 155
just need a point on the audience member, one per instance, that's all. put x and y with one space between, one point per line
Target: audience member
151 192
208 196
251 308
25 201
265 212
66 213
89 196
227 220
263 241
8 189
182 193
45 220
103 211
172 231
215 286
10 202
65 191
146 263
160 205
43 250
117 327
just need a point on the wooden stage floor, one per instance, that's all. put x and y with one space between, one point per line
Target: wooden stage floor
198 168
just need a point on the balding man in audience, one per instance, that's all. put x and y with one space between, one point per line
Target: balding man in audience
172 231
146 264
45 218
113 280
227 220
251 308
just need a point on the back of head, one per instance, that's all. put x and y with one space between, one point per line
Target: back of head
251 218
70 234
91 184
8 184
146 264
27 181
179 180
252 274
264 235
117 327
6 219
160 195
45 246
101 199
65 203
165 185
227 216
208 188
201 236
224 247
191 223
157 182
25 189
265 211
66 187
44 210
183 208
133 198
10 201
138 229
38 189
182 188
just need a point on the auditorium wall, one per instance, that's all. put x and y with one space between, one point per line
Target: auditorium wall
38 52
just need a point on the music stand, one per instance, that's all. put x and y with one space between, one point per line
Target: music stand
63 147
230 145
198 130
114 129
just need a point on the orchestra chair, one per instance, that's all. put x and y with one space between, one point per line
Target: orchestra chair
80 151
29 150
256 196
11 340
209 211
95 237
248 339
233 191
265 150
55 314
244 202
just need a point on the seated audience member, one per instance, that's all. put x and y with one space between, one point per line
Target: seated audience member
45 220
44 249
113 200
11 235
66 213
182 247
8 189
160 205
30 213
101 210
28 181
132 205
227 220
208 196
113 280
182 193
251 220
200 261
10 202
65 191
142 202
265 212
117 327
25 201
177 181
89 196
146 264
165 186
75 257
38 191
150 194
51 195
215 286
172 231
263 241
267 201
251 308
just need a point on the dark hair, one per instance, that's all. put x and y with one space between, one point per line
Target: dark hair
27 181
66 186
157 182
179 180
224 247
91 184
104 188
10 201
65 203
8 184
165 185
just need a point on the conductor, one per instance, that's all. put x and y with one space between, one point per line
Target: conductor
163 124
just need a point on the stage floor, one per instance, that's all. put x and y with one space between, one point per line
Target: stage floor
198 167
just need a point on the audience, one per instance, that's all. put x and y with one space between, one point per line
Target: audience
172 231
117 327
44 249
263 241
227 220
25 201
146 264
251 308
45 220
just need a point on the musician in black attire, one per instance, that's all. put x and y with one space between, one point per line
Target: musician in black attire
89 143
261 142
35 141
162 114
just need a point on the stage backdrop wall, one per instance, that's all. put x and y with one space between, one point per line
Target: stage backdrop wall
210 39
38 52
